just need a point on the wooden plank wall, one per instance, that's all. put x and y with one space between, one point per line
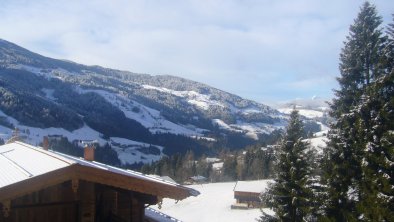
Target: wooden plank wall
56 203
79 201
87 199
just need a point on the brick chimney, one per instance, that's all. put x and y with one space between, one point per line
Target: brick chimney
88 153
45 143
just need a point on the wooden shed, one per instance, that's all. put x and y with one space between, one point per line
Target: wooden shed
247 193
42 185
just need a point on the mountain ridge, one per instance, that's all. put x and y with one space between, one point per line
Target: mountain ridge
42 92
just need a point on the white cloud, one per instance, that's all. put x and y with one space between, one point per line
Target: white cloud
262 50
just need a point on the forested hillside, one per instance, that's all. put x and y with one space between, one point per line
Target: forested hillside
129 111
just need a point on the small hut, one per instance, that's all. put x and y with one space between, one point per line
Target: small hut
247 194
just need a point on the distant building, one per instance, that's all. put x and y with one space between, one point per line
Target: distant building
196 180
247 194
212 160
37 184
218 167
84 143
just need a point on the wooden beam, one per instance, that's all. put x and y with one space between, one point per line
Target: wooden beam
146 198
132 183
77 172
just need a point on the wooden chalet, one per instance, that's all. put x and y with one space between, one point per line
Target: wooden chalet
247 194
37 184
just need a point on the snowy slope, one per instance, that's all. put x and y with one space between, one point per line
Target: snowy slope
128 150
162 104
148 117
318 144
312 108
249 129
205 102
303 112
213 204
58 73
319 140
200 100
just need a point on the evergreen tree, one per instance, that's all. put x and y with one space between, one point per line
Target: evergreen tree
348 137
248 158
377 203
230 168
290 195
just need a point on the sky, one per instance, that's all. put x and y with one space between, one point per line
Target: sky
266 50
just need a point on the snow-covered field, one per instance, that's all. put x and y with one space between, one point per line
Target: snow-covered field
304 112
213 204
251 130
312 108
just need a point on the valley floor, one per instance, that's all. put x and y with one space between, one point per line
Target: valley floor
213 204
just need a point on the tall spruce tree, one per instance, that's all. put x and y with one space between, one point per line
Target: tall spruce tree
290 195
348 137
377 202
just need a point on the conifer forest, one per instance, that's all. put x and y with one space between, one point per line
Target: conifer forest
353 181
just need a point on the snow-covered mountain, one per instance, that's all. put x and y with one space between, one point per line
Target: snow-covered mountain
314 108
44 96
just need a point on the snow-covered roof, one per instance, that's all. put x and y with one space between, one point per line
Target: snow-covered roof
212 160
158 216
255 186
217 166
165 178
20 162
198 178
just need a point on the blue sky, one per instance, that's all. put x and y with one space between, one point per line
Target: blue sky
264 50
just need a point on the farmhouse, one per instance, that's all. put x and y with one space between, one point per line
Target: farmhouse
247 194
37 184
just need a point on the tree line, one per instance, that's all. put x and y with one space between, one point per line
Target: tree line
253 164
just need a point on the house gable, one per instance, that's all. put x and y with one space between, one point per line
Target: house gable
89 185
